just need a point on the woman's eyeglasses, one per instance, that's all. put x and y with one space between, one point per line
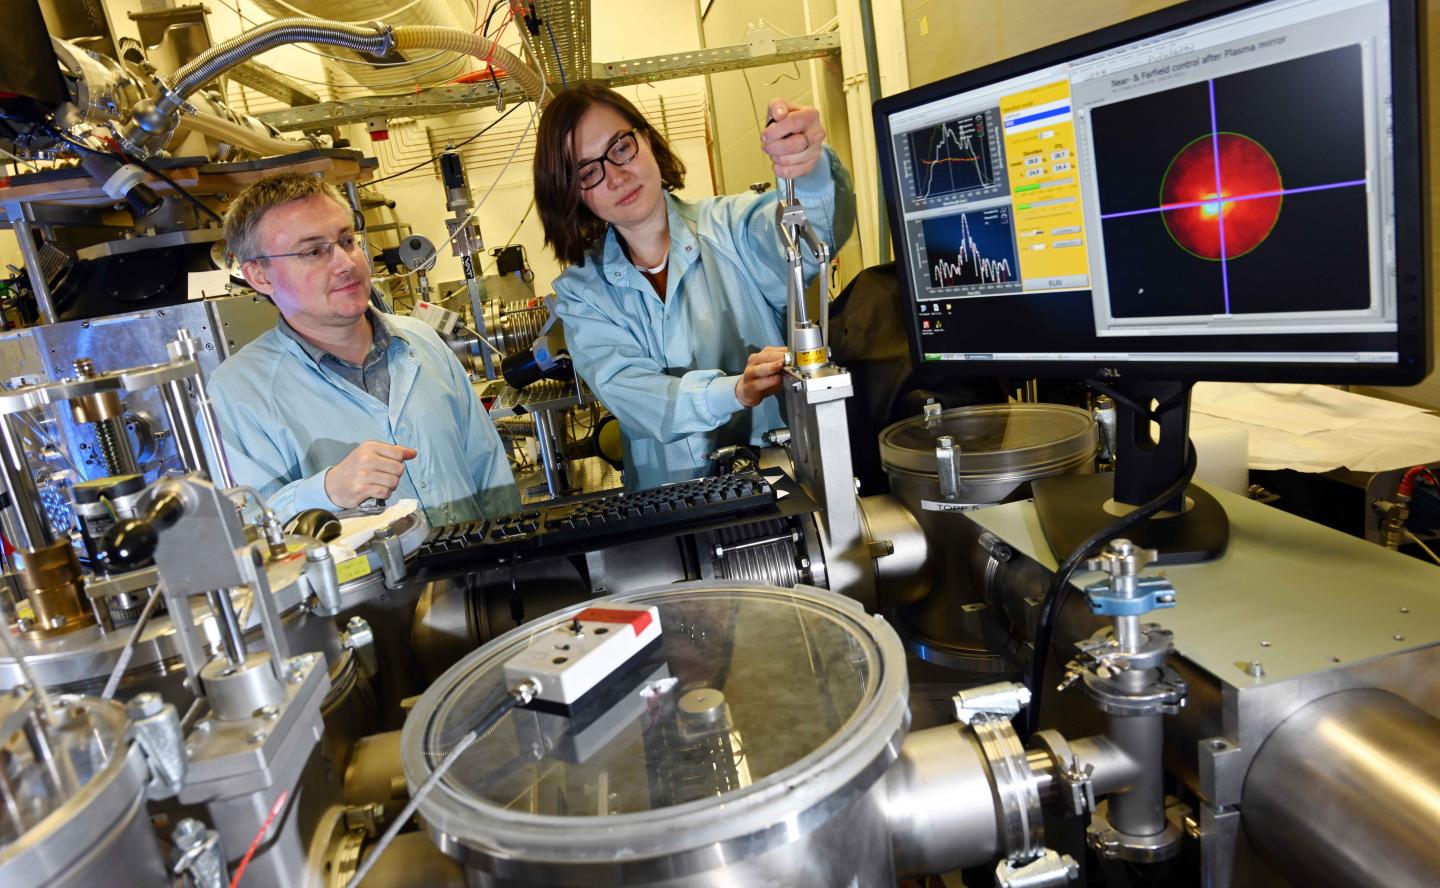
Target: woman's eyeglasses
621 151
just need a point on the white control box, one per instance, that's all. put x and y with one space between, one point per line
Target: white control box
442 319
574 657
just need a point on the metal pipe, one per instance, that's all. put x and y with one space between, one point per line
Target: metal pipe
220 462
22 217
24 507
228 624
872 79
939 803
1139 810
1347 792
182 424
550 458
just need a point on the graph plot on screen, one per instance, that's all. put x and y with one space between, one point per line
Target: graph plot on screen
973 252
958 158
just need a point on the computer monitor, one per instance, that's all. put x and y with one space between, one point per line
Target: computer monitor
1216 191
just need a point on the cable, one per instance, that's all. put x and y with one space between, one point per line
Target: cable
1054 600
123 159
432 158
259 837
519 696
1428 551
19 159
555 46
123 661
46 706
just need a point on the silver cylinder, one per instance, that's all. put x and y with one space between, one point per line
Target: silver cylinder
939 803
182 423
1347 792
1140 810
27 517
237 692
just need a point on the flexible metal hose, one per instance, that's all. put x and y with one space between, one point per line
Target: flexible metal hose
376 39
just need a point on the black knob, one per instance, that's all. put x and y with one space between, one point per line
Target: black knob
131 544
143 200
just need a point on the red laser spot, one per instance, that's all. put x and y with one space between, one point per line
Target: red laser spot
1248 205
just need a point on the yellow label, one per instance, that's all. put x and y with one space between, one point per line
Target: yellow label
924 25
810 358
352 568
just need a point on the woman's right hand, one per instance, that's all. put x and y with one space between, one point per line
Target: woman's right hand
763 375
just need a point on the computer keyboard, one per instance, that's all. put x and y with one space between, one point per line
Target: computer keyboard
591 522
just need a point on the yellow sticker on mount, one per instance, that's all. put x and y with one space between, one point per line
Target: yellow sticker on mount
810 358
352 568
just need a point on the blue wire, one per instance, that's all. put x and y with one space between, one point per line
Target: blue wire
555 46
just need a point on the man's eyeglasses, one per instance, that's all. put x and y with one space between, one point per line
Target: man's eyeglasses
318 254
621 151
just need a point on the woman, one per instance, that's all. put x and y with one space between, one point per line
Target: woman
674 310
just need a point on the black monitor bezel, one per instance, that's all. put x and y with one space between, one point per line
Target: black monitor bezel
1413 274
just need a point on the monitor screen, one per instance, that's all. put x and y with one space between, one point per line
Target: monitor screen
1214 191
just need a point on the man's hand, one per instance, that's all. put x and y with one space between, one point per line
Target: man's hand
372 469
792 139
762 376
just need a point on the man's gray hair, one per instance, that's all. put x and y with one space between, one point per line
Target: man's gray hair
242 219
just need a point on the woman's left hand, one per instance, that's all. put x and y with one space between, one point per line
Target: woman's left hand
792 139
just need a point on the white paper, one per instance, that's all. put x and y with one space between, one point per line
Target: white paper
1315 428
201 284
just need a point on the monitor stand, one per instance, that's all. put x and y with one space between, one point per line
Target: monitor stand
1189 529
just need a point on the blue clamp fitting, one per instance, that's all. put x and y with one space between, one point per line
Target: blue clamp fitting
1151 593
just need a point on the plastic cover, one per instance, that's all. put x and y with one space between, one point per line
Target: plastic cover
739 686
995 440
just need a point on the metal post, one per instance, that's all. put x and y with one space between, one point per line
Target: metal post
186 432
182 421
872 78
550 460
25 508
231 636
22 217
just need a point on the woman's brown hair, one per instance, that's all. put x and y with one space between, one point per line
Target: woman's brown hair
571 230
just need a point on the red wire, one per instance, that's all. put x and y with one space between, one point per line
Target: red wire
259 836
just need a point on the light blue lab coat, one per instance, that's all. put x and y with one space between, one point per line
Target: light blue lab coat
667 369
285 420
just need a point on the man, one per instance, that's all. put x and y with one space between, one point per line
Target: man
341 403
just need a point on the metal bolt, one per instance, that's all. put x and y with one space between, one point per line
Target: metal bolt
270 713
257 736
188 833
1399 638
57 621
1264 644
204 726
145 705
24 624
1404 610
1256 669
